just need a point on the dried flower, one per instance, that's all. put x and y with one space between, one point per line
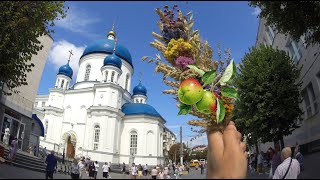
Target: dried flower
182 62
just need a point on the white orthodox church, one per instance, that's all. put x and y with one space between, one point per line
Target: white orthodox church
98 116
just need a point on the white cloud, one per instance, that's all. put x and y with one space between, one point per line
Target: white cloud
59 54
77 20
256 11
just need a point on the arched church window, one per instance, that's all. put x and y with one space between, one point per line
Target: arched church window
107 75
133 142
87 73
112 76
127 81
67 85
62 82
140 100
58 82
96 137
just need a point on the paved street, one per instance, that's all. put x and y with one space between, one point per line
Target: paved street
12 172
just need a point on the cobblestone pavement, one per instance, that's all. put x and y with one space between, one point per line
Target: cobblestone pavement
12 172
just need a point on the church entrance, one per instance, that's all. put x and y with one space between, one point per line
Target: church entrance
70 144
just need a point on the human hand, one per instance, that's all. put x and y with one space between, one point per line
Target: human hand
227 156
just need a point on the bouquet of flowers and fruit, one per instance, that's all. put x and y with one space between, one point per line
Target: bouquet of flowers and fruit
202 86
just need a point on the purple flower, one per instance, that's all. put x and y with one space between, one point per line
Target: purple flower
182 62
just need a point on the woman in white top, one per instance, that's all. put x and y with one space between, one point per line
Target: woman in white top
96 165
105 169
134 171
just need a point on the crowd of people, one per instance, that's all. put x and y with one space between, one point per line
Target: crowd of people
268 162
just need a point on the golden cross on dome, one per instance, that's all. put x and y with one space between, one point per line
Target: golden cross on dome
70 51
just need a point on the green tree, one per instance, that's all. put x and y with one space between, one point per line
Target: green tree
269 95
292 17
22 22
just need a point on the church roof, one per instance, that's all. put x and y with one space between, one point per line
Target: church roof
112 60
66 70
140 109
107 46
140 90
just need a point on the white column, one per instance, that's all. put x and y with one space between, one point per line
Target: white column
65 84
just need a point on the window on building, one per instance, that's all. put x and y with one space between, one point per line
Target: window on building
35 104
140 100
67 85
133 142
112 76
96 137
58 82
43 104
87 73
127 81
62 83
294 51
270 34
313 98
307 102
107 75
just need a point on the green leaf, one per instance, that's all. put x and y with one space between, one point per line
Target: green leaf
230 92
228 73
195 68
221 111
208 77
184 109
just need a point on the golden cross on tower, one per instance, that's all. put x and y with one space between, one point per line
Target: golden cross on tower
70 51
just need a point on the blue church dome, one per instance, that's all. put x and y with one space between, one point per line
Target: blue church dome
66 70
106 46
139 109
112 60
140 90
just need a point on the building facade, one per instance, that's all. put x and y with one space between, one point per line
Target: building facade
98 116
305 56
16 110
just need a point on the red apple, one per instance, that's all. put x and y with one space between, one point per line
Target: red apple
208 103
190 91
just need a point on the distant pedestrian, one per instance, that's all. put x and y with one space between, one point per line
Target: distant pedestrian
276 159
123 168
44 152
145 170
202 168
51 161
92 170
82 169
260 162
299 157
289 168
96 165
134 171
140 169
161 175
105 169
35 150
166 172
14 145
154 173
75 170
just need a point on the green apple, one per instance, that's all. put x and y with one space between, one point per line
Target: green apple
190 91
208 103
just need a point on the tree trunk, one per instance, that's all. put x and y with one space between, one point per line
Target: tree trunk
282 142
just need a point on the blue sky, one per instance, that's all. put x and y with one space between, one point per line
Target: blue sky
232 24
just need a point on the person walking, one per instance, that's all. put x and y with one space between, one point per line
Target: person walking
161 174
145 170
260 162
202 168
105 169
82 168
154 173
92 170
51 161
96 165
299 157
75 170
166 172
14 145
276 159
289 168
140 169
123 168
134 171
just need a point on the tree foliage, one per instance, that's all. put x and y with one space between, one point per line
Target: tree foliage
293 17
269 95
22 22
